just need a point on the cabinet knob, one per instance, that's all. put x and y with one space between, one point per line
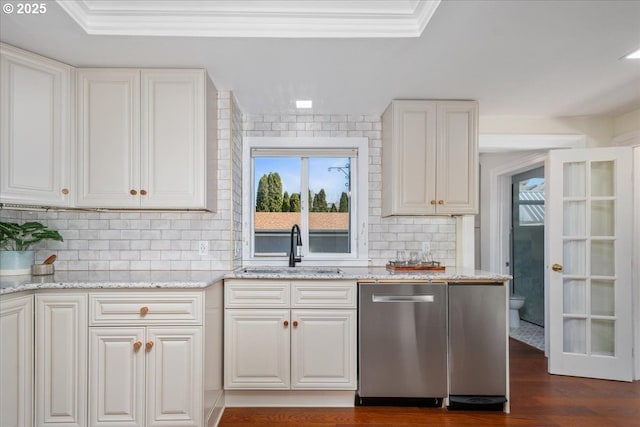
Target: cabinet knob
433 202
441 202
143 192
65 191
137 345
144 310
556 267
133 192
286 323
295 323
149 345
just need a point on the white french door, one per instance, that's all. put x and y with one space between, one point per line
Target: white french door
589 264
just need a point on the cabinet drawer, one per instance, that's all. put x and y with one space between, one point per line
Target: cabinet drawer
145 308
320 294
256 293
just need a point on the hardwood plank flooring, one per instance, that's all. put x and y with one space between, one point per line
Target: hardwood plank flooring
537 399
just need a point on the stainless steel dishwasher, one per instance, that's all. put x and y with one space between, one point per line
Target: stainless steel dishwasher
402 352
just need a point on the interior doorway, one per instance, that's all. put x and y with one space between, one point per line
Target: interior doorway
527 242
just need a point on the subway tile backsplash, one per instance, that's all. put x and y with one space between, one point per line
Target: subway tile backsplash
169 240
386 235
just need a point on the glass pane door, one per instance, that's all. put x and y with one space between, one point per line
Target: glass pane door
589 267
589 281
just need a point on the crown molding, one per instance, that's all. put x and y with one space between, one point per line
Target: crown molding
241 18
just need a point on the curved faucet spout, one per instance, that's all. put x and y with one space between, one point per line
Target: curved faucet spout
293 256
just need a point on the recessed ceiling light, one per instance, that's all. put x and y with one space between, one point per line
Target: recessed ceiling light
634 55
305 103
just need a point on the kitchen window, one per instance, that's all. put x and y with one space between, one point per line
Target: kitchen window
319 184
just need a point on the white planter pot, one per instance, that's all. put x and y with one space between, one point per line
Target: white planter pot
13 263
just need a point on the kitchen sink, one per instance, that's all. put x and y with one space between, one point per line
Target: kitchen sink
292 270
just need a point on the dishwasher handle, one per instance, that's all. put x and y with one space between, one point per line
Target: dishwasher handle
402 298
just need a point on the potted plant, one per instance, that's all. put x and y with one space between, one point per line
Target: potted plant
15 241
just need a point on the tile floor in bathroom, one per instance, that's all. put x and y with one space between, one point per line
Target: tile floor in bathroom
529 333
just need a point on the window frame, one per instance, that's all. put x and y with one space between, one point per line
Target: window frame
359 206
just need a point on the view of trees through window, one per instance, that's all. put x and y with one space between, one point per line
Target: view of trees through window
278 202
271 198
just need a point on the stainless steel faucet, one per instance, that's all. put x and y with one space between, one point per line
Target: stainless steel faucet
293 256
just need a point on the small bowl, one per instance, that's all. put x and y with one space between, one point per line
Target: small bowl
42 269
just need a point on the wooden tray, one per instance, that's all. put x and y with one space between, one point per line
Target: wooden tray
420 267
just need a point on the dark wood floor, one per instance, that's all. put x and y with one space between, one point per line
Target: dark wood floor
537 399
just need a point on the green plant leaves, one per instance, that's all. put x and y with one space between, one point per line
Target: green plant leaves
19 237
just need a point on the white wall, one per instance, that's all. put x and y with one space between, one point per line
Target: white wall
636 257
627 123
599 131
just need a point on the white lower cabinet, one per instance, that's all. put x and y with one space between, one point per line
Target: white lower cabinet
145 373
16 361
144 376
103 358
289 348
323 349
61 360
257 354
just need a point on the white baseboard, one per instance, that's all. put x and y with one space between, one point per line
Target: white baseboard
291 398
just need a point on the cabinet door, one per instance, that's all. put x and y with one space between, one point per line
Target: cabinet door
323 349
409 158
116 377
457 171
256 349
16 356
35 145
174 376
108 138
173 151
61 360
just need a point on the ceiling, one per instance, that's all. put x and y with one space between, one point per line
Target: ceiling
536 58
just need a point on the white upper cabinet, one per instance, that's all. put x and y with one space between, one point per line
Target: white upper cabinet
173 160
35 145
430 158
108 138
142 139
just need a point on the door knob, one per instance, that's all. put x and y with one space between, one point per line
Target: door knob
556 267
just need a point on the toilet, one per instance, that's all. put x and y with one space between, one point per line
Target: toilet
516 302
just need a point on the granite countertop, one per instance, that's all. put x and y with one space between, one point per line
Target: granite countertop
202 279
111 280
365 274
